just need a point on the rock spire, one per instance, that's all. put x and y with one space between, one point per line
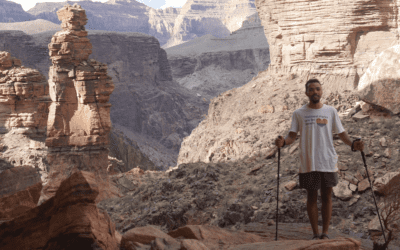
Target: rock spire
79 115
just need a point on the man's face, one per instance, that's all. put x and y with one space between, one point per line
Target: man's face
314 92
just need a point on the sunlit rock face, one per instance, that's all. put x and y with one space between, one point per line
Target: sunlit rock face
216 17
79 115
334 41
23 98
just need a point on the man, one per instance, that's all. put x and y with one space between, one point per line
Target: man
318 168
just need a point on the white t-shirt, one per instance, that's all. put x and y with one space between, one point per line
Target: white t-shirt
316 142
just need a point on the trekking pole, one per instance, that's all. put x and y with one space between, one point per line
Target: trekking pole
277 195
366 170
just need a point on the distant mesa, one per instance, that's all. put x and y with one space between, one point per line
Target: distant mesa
31 27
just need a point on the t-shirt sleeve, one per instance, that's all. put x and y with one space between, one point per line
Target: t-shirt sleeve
295 124
337 124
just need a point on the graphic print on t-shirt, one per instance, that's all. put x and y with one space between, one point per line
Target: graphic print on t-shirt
319 119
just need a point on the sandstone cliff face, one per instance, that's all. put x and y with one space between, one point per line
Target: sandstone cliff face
210 65
121 16
171 26
13 12
201 17
24 98
79 115
332 40
144 101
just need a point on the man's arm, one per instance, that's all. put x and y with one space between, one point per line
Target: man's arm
345 138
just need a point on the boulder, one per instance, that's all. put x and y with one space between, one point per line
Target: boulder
68 220
334 244
382 182
79 115
204 237
342 191
147 235
379 85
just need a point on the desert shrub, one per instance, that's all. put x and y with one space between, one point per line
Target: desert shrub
390 213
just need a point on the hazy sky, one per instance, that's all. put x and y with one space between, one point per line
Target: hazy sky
156 4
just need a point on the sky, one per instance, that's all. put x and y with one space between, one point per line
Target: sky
156 4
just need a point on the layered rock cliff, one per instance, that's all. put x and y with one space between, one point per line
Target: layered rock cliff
201 17
12 12
209 65
121 16
79 116
144 101
24 98
24 102
171 26
332 40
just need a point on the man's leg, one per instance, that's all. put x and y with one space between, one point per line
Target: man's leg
326 197
312 209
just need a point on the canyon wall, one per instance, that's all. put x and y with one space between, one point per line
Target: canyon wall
79 116
12 12
171 26
201 17
121 16
144 102
332 40
210 66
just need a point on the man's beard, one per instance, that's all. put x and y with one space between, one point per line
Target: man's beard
314 100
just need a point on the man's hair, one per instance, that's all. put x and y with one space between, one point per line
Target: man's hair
311 81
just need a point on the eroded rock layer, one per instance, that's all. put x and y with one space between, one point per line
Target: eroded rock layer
79 115
201 17
69 220
23 97
332 40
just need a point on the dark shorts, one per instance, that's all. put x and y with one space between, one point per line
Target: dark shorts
316 180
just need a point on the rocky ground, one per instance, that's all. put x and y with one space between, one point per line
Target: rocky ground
223 194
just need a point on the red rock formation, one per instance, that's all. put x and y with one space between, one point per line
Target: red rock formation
69 220
24 100
23 96
79 116
206 237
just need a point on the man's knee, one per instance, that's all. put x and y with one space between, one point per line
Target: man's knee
326 194
312 195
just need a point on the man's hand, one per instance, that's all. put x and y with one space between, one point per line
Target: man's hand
359 145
